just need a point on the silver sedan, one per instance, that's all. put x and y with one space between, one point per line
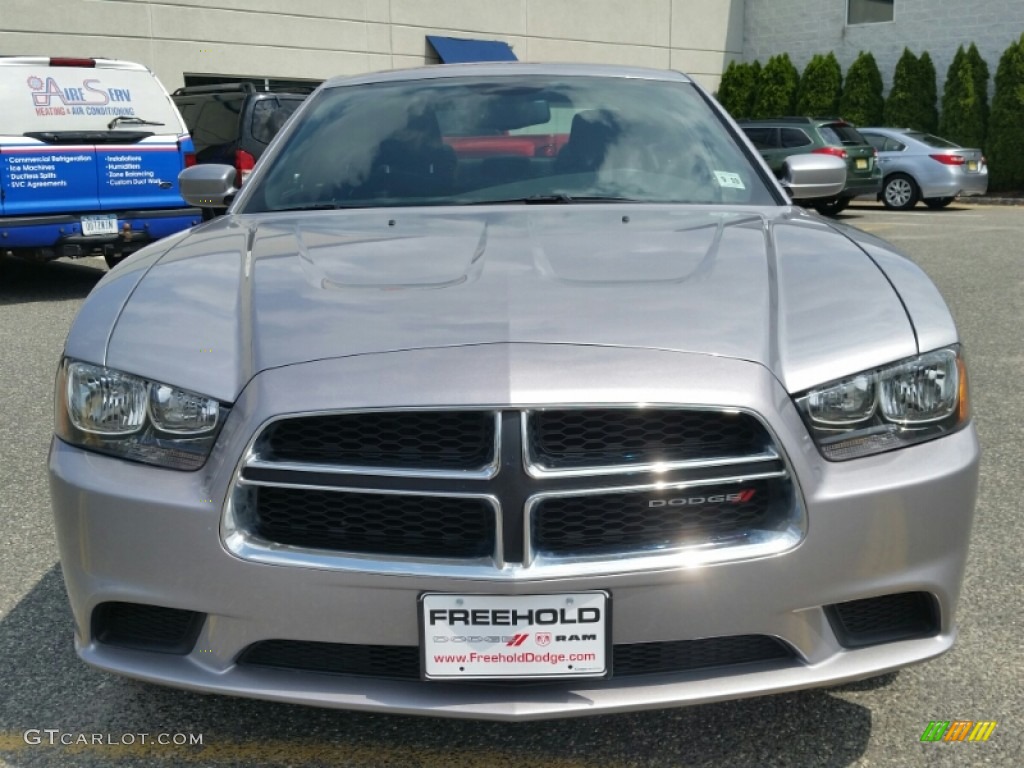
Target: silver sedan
513 391
919 166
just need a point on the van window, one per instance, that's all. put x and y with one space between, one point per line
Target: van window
54 99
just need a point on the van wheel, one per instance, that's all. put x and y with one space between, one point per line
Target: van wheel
832 207
900 192
938 202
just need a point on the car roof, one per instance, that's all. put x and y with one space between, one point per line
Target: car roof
497 69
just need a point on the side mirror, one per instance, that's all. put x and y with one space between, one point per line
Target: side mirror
807 177
208 185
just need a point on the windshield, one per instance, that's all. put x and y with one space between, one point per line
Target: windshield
463 141
932 141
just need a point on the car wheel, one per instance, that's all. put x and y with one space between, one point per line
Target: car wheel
900 192
938 202
832 207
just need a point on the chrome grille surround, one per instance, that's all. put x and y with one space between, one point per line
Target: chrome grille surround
514 484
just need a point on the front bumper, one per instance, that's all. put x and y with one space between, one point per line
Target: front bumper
893 523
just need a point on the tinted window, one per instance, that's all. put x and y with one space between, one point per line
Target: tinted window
213 122
268 115
794 137
891 145
762 138
467 140
841 133
876 141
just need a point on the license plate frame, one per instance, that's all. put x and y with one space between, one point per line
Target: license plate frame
100 224
570 637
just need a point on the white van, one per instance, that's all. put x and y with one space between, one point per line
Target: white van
90 151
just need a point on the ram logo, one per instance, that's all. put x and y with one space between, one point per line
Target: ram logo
740 497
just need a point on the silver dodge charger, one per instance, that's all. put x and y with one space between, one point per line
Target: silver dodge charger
511 392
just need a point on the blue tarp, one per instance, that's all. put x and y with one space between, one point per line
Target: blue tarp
455 50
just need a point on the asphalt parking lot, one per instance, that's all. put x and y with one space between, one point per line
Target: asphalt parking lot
974 254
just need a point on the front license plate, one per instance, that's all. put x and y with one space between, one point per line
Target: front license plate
862 164
99 225
477 637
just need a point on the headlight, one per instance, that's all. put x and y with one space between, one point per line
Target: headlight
111 412
888 408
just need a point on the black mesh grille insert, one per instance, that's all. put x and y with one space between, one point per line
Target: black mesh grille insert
602 437
370 523
382 661
146 627
616 522
456 440
403 662
684 655
884 619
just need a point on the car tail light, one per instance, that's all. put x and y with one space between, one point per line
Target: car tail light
836 151
59 61
949 159
244 163
190 157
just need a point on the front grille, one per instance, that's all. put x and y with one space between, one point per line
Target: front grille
467 485
623 522
686 655
596 437
146 627
884 619
414 440
402 662
375 523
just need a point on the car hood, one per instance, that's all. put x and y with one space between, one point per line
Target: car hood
247 293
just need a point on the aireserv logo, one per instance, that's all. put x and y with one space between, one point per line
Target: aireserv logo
740 497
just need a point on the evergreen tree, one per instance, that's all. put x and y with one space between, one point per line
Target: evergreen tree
1005 133
901 108
963 117
738 87
929 94
979 67
776 88
862 102
820 87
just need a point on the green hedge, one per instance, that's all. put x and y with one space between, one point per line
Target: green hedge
738 87
820 87
1006 125
862 102
776 88
963 107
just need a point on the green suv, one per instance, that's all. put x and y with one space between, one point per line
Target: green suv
780 137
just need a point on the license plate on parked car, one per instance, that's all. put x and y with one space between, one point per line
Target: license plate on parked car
514 636
862 164
105 224
972 165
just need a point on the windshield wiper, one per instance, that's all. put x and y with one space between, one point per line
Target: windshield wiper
130 121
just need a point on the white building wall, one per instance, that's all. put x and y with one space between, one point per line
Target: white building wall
803 28
319 38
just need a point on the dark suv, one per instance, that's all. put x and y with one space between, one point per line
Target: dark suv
780 137
233 123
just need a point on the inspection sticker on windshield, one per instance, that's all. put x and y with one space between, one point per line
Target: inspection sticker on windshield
514 636
726 179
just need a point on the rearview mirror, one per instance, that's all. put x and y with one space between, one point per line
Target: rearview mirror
208 185
807 177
